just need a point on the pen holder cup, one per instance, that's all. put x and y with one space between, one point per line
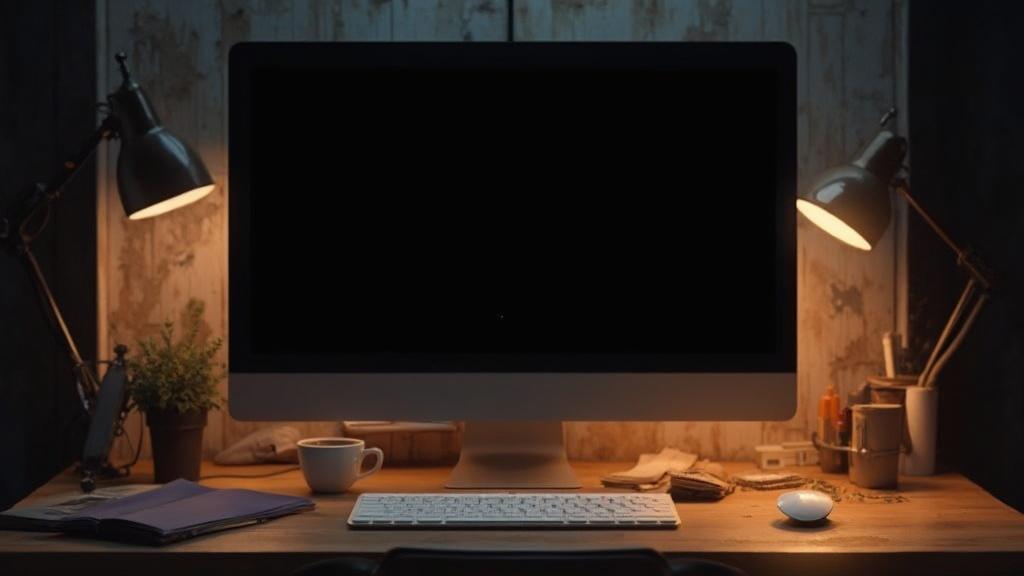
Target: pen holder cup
885 390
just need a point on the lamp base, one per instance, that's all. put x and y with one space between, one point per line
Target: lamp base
105 423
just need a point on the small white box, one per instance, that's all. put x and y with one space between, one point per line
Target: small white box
772 456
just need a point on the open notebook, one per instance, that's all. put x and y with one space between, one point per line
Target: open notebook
175 511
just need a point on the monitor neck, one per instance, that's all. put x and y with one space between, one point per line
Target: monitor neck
509 454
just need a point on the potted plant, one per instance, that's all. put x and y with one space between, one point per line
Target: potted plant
175 384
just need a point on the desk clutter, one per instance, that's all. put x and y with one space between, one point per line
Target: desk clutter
687 478
682 474
870 438
153 515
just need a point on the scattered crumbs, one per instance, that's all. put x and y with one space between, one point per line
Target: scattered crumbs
836 492
849 494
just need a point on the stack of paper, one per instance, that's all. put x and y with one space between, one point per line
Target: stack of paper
699 485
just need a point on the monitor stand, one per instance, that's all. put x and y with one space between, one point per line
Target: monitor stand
513 455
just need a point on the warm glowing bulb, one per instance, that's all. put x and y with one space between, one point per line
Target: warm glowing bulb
829 223
172 203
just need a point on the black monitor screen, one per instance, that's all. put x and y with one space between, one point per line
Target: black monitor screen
567 216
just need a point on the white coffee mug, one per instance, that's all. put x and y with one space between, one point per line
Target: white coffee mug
332 465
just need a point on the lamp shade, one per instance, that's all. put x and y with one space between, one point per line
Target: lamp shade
156 171
852 202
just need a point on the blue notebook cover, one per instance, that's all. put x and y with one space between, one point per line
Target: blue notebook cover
179 510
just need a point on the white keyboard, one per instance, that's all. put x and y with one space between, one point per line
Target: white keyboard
513 511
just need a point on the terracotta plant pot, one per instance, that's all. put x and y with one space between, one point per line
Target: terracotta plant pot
177 444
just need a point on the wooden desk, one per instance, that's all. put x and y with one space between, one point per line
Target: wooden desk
948 526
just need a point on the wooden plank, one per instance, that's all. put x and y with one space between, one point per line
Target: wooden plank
329 20
450 20
567 20
947 526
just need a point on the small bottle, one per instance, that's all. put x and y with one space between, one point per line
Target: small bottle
829 420
828 411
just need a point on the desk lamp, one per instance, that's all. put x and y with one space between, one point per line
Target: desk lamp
852 203
156 173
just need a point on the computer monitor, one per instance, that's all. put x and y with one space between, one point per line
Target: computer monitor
512 233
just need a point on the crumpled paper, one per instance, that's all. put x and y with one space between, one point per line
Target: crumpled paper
652 470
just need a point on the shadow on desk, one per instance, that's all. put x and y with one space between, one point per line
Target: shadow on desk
791 526
423 562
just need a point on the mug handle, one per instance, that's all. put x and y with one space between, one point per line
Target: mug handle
376 465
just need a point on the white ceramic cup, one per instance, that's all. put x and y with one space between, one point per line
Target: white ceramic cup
332 465
922 423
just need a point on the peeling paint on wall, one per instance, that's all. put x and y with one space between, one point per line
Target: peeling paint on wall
846 298
713 19
172 51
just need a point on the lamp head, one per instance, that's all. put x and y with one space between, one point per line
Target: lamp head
156 171
852 202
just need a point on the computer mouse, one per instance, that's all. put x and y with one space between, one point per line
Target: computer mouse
805 506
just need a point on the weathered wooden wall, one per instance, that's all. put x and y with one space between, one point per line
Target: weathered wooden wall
850 55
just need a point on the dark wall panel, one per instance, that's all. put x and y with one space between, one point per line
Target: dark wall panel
967 150
47 92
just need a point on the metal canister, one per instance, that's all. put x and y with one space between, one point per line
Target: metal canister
875 445
893 391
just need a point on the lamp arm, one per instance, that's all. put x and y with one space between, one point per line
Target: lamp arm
974 296
940 354
29 218
85 379
44 194
964 258
937 367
